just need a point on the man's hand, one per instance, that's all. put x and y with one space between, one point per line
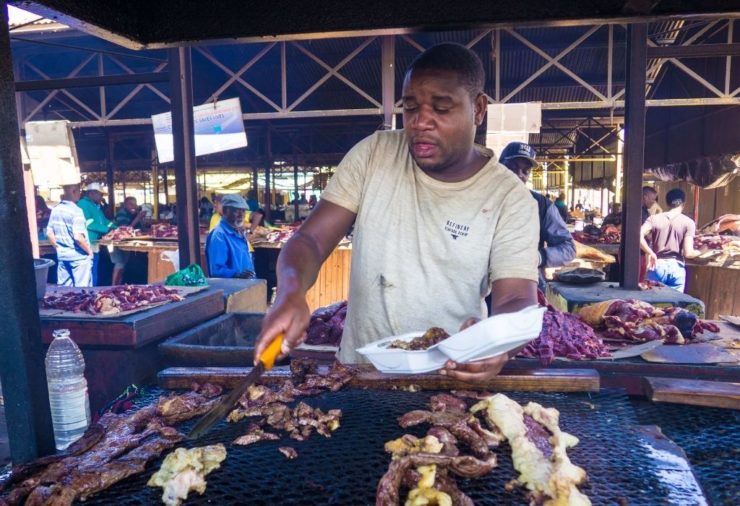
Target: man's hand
289 315
652 261
475 372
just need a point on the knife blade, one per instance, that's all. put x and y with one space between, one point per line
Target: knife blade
224 406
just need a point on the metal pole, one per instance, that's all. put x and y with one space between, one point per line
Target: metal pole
21 353
268 169
155 186
183 137
388 56
296 206
110 181
634 144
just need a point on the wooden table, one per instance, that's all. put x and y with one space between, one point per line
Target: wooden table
332 282
717 286
157 268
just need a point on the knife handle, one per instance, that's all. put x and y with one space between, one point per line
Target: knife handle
271 353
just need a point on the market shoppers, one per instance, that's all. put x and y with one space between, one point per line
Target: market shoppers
67 233
128 216
97 224
456 223
556 246
227 250
671 240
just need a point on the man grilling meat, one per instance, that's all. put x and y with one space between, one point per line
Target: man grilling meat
457 224
556 246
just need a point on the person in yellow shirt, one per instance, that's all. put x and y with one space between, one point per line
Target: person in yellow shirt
217 212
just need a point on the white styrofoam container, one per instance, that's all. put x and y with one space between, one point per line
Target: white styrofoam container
494 336
403 361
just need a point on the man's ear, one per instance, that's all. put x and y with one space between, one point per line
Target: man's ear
480 108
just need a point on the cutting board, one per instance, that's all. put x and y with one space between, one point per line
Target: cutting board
141 328
716 394
533 380
701 353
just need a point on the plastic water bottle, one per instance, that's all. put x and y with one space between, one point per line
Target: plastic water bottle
65 375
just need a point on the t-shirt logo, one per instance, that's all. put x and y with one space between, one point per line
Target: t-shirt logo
456 230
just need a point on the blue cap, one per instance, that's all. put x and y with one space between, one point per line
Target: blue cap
518 150
235 201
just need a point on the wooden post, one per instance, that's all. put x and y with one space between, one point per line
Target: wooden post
183 137
634 154
21 352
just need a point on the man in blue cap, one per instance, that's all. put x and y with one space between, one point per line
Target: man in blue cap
227 249
556 246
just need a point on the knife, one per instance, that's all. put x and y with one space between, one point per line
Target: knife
219 411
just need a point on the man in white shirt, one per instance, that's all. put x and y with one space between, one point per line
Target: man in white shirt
438 223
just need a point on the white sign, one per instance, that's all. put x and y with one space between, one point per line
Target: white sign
508 118
218 127
52 153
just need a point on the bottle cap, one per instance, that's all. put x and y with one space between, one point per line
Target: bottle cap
61 333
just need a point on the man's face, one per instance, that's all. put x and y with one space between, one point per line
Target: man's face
95 196
439 118
521 167
648 199
234 216
218 207
130 206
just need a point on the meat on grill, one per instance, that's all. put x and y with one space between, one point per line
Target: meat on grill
255 434
388 493
440 418
299 422
112 300
564 335
289 452
448 441
447 402
117 446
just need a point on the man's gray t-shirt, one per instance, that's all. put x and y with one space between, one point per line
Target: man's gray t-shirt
425 252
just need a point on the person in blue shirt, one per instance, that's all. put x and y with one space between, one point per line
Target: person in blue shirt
556 246
227 250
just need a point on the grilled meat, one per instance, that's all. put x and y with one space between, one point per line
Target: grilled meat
289 452
447 402
431 337
255 434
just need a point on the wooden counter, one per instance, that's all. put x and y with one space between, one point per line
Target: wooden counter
718 287
157 268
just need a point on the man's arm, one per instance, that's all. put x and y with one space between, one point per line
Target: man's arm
297 268
51 237
79 232
82 242
507 296
140 216
218 256
688 250
652 258
560 246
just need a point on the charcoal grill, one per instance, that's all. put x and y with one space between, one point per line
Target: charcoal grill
345 469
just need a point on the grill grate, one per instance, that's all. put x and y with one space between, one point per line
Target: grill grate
345 469
711 439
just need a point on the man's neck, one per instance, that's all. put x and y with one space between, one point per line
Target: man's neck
462 170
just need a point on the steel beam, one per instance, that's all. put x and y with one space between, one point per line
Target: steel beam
183 137
93 81
22 374
388 76
697 51
634 154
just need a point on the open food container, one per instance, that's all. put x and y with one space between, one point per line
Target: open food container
486 339
400 361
